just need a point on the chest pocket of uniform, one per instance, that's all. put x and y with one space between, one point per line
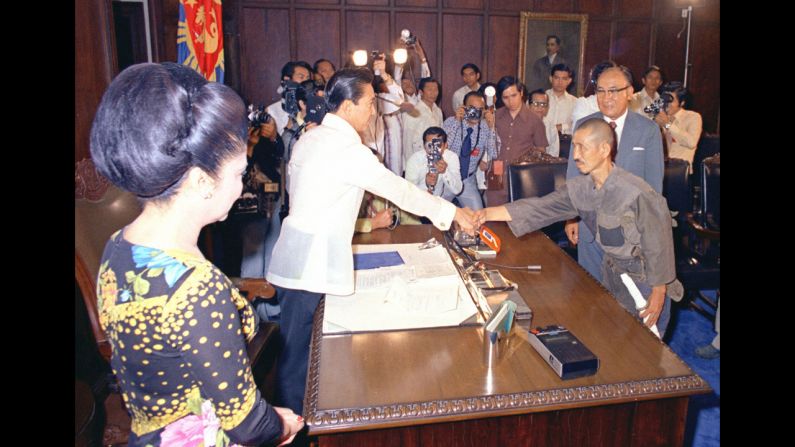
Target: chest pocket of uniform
610 232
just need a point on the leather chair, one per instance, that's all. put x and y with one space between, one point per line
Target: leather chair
676 186
699 268
535 179
527 179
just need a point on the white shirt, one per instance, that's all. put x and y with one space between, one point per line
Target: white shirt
279 115
583 107
448 182
561 109
413 128
329 171
683 135
552 137
640 100
458 96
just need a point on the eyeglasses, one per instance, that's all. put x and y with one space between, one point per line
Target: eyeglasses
610 92
539 104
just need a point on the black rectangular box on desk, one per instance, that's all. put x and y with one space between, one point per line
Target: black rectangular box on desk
567 356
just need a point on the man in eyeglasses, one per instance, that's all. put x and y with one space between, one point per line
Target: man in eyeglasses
539 105
640 151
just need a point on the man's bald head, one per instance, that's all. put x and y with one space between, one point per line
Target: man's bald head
597 131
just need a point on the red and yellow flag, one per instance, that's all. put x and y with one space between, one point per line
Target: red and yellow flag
200 38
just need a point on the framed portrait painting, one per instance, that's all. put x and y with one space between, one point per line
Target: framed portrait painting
543 34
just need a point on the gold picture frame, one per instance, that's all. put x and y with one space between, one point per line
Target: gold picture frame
534 28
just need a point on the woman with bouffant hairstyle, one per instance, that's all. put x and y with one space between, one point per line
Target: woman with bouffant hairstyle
177 326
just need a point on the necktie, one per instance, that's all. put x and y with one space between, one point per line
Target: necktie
466 149
612 125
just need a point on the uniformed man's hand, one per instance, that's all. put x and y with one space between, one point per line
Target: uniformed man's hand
572 231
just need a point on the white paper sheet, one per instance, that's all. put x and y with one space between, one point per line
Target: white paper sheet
424 292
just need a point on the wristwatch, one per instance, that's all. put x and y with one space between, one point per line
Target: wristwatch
667 126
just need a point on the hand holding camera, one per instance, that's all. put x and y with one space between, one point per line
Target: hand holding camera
488 114
459 113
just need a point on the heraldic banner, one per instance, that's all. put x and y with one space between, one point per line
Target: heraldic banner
200 38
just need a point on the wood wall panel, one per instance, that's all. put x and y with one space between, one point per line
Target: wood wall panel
422 3
424 26
704 75
468 4
458 51
561 6
631 47
595 7
634 8
266 42
324 29
170 17
511 5
265 48
368 2
95 66
367 31
670 55
597 48
502 47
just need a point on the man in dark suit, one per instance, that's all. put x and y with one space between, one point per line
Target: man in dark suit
640 151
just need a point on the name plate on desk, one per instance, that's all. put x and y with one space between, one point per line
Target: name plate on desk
425 291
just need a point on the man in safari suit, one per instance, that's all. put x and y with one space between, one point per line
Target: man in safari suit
640 151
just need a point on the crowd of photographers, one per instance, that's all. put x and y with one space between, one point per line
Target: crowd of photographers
462 158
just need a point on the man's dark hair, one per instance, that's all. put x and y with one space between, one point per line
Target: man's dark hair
677 89
603 132
434 131
472 66
538 91
289 68
624 71
474 93
506 82
347 83
424 81
317 63
552 36
156 121
597 70
653 68
561 67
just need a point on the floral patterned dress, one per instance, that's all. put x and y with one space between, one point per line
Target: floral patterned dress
178 328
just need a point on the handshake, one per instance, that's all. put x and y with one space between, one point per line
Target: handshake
470 221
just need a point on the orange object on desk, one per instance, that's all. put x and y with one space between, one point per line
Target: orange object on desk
490 238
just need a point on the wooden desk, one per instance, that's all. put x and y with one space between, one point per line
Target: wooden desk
431 387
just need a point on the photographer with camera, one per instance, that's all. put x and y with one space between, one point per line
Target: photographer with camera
681 128
409 83
652 79
471 134
295 71
384 131
428 114
435 169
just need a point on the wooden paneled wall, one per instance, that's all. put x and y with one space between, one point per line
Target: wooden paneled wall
636 33
261 35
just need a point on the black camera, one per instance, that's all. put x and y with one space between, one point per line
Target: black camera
407 38
257 116
434 153
306 91
472 113
659 104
